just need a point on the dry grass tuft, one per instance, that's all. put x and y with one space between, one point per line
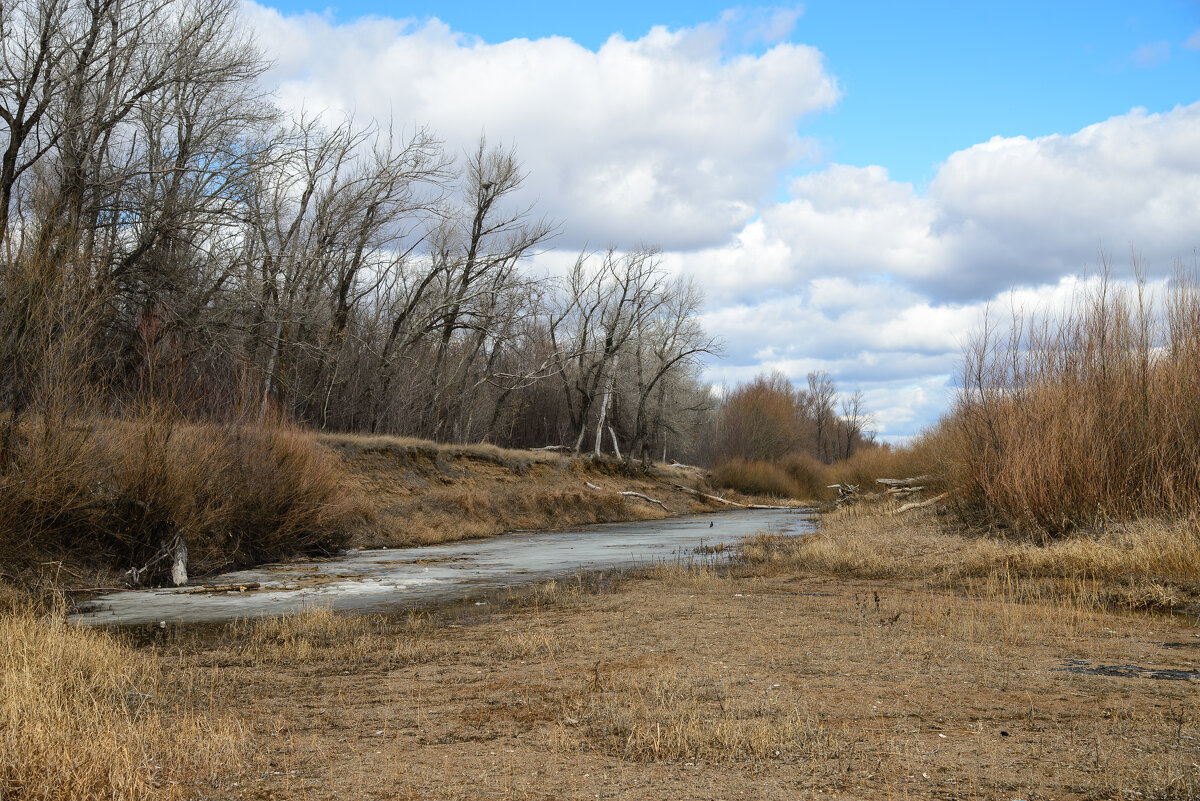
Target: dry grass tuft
320 634
677 716
81 716
565 593
534 642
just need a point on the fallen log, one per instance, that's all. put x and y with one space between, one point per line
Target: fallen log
710 497
95 589
908 507
778 508
555 448
631 494
904 490
904 482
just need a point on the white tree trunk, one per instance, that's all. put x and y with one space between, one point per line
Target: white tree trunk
179 576
612 379
616 447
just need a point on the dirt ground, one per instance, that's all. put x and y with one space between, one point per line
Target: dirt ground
685 684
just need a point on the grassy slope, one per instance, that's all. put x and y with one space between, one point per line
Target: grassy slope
424 493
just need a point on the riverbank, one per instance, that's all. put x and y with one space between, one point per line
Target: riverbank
423 493
108 503
789 674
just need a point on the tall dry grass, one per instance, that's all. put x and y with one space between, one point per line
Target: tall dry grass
1074 420
758 478
800 476
82 717
110 492
1147 564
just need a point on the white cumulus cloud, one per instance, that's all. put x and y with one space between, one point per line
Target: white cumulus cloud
667 138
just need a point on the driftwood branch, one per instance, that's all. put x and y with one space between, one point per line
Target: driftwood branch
920 504
719 499
174 550
95 589
706 496
847 493
905 490
630 494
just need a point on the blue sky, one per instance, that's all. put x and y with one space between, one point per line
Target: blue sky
854 185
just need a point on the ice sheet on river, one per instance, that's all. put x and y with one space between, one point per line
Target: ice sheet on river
387 580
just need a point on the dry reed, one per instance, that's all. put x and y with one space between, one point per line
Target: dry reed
1076 420
83 716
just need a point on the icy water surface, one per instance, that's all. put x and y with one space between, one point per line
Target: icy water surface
387 580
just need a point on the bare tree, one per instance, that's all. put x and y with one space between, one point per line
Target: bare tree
854 421
323 216
352 275
670 340
822 394
607 305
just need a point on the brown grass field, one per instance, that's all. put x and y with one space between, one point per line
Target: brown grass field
884 657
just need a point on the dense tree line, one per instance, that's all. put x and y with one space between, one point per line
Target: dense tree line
768 419
166 232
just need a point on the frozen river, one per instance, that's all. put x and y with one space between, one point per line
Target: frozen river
391 579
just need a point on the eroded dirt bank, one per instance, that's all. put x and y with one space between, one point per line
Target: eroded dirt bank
421 493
